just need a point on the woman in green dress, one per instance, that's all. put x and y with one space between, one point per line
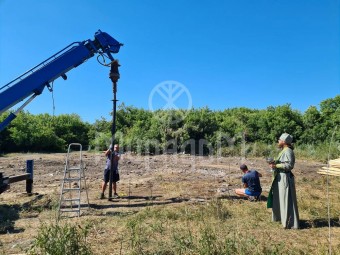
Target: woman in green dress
284 202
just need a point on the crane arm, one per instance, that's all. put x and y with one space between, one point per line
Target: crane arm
32 83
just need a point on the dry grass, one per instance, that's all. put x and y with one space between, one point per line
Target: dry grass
174 210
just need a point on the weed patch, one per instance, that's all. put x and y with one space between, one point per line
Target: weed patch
60 240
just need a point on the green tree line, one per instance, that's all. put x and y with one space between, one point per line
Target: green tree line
189 131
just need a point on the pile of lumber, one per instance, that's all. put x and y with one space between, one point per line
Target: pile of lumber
333 169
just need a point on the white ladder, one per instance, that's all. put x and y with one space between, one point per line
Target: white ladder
71 185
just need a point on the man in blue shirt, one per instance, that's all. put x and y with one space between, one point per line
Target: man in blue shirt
251 183
115 174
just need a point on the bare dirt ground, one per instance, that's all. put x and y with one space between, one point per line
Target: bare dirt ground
145 181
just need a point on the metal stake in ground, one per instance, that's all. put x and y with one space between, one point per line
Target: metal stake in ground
114 76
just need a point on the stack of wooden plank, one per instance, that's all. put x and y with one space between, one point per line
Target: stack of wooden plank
333 169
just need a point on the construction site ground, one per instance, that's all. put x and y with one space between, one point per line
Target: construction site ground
146 181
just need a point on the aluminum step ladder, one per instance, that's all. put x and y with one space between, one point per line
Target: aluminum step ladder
71 185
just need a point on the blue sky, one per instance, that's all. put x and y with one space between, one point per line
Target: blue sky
220 54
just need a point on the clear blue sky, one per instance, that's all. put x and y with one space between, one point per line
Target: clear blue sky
224 53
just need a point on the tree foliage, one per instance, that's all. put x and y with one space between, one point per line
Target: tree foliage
43 132
192 131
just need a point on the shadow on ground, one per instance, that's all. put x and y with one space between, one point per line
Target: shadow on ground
142 201
319 223
10 213
233 197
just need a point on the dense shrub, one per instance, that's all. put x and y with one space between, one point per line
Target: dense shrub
196 131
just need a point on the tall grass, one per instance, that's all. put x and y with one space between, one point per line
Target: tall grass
320 152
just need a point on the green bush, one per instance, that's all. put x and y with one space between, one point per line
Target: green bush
231 132
60 240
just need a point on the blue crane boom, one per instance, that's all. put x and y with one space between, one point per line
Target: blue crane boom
32 83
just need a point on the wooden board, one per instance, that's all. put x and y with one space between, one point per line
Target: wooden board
334 163
331 168
329 173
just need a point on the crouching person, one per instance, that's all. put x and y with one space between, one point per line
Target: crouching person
251 183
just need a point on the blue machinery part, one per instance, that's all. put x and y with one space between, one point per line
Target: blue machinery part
32 83
29 180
